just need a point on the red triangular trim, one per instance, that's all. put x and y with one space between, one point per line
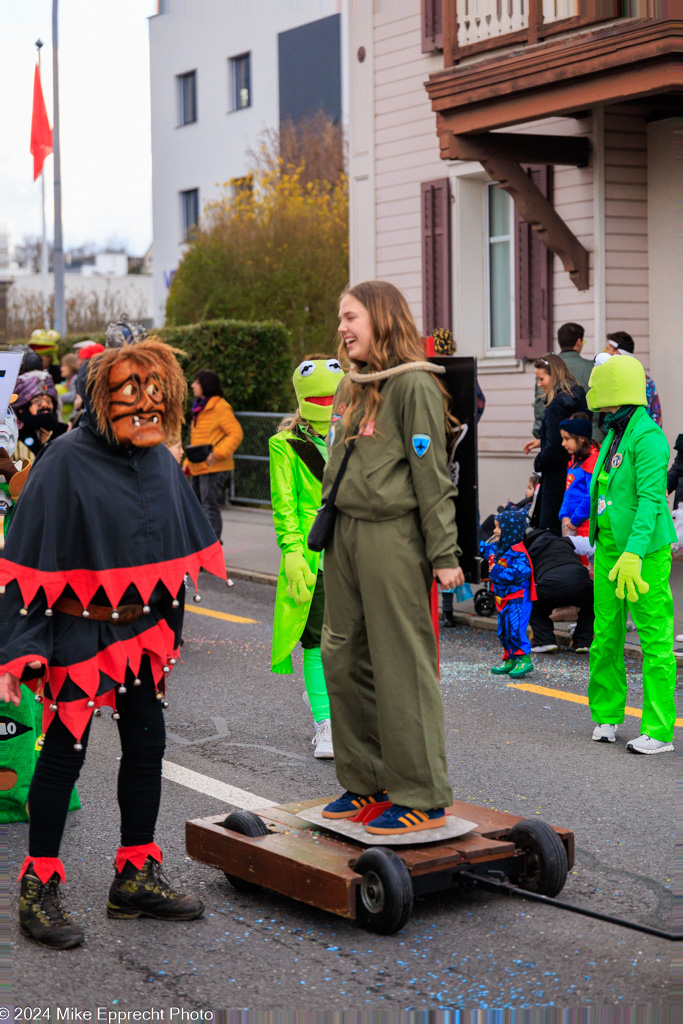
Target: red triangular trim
157 642
44 867
137 855
86 582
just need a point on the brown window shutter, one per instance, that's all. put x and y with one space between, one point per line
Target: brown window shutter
432 25
436 255
533 279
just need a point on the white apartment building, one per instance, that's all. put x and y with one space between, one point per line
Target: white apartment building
221 72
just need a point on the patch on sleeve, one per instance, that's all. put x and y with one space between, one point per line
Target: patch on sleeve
421 443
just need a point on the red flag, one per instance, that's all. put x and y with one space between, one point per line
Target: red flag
41 133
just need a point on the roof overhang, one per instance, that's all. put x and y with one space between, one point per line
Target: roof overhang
636 59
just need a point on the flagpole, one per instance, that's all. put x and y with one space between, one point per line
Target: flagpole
43 251
58 256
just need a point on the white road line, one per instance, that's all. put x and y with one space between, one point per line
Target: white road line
212 787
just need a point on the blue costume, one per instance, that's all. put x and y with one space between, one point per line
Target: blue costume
577 498
511 574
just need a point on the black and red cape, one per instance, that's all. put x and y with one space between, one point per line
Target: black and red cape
107 525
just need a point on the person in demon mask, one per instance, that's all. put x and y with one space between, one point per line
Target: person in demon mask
92 617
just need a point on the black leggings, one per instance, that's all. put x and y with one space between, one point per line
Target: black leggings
143 738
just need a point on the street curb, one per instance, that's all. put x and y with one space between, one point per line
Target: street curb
251 575
463 618
491 624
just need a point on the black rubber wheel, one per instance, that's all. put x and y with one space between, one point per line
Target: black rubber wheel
385 893
545 868
247 824
484 603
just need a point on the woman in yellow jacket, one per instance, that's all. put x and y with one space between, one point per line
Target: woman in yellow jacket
213 425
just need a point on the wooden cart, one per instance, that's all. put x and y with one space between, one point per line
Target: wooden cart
278 849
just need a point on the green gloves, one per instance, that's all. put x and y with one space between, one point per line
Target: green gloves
300 579
626 571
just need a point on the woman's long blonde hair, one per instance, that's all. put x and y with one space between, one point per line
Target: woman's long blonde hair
395 340
561 379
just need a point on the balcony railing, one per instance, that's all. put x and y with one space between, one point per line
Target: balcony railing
473 26
478 20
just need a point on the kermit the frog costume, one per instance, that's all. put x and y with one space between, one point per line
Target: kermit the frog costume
297 459
631 526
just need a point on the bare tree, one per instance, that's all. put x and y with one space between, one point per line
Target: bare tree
317 144
28 252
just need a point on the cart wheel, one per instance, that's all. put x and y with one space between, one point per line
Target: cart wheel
484 603
545 870
385 894
247 824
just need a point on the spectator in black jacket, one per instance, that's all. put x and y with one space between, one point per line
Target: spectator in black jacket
564 398
560 580
674 476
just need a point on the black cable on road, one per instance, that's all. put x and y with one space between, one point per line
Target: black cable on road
525 894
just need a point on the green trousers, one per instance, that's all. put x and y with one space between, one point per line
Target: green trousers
379 653
653 616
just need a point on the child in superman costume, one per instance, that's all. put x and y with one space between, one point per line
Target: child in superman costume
631 526
512 577
94 562
298 455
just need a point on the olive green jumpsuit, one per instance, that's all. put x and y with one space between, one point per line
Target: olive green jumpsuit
396 523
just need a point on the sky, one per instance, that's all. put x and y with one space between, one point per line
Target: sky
106 160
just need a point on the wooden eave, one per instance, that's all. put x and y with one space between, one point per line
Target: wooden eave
629 60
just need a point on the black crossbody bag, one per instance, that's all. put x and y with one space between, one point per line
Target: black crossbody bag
322 530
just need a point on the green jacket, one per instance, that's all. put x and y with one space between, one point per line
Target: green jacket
295 492
635 496
581 369
400 465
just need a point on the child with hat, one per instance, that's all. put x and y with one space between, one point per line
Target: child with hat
512 577
577 440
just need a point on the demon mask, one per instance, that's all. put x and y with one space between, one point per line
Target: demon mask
137 393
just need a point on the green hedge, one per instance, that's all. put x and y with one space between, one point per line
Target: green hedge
254 360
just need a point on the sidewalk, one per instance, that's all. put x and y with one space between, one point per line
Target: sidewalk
252 553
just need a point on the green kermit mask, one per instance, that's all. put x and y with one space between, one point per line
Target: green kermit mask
620 380
315 382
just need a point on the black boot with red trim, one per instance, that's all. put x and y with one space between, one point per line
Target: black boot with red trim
140 888
42 916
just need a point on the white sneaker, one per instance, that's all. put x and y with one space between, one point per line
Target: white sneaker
322 741
605 733
644 744
545 649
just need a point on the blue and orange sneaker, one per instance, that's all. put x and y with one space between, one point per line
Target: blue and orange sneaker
349 804
397 821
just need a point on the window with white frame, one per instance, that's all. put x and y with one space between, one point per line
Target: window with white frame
500 263
187 98
240 81
189 208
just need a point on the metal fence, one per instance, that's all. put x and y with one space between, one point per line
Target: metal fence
250 484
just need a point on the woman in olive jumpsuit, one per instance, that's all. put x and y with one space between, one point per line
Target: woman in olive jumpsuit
395 532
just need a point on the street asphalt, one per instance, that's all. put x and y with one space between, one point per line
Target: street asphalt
517 750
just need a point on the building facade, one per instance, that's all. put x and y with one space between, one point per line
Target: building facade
513 168
222 72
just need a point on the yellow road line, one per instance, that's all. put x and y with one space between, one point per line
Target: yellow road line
545 691
218 615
